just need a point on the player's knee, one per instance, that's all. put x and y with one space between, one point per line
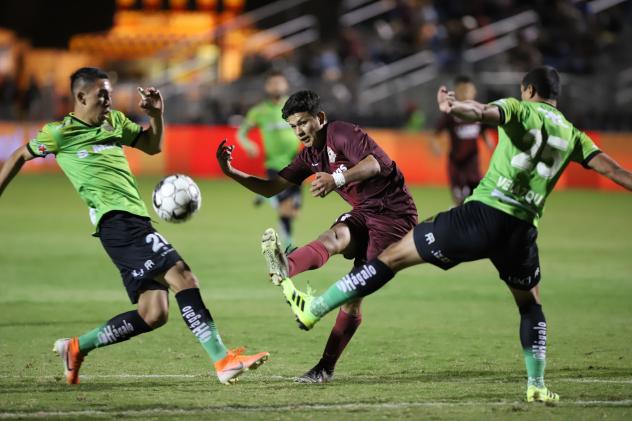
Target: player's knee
156 317
352 307
335 240
181 278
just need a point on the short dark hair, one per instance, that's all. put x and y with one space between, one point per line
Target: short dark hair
545 80
301 101
85 75
462 79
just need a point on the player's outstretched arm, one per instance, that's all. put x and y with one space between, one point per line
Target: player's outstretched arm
607 166
470 111
151 103
248 144
264 187
325 183
13 165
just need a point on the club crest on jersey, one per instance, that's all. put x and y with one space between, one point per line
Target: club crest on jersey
331 154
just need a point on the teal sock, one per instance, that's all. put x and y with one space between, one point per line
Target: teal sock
360 282
118 329
200 322
533 340
535 369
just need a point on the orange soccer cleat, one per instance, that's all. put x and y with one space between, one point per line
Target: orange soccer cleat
68 350
230 367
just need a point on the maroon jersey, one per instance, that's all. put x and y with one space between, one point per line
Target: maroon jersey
463 138
346 145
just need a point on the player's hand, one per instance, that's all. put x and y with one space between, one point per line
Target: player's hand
150 101
322 185
445 99
252 150
224 155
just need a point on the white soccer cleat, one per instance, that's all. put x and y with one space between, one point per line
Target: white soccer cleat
275 258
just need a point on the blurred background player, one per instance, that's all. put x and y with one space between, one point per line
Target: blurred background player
346 160
280 147
499 221
463 168
88 146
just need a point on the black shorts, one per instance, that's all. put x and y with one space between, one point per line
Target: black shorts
293 192
476 231
137 250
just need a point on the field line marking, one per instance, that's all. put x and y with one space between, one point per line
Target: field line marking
275 377
319 407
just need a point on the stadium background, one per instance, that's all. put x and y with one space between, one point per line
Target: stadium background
374 62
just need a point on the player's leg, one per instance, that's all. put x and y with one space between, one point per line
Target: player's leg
151 314
360 282
229 364
311 256
533 339
289 205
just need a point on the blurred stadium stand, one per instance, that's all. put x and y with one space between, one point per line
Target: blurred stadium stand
373 61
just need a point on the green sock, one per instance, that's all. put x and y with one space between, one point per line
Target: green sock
331 299
118 329
360 282
535 369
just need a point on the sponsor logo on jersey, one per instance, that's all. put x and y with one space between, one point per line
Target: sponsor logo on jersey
331 154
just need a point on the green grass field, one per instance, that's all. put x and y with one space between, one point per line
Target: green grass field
433 344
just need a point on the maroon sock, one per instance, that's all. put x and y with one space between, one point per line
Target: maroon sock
308 257
341 334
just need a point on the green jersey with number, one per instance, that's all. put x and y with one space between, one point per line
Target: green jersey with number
535 144
93 160
279 142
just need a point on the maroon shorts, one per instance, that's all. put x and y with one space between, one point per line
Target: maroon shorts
373 232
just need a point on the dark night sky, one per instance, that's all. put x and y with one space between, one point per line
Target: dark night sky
51 23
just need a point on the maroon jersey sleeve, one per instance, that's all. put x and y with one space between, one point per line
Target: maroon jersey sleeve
355 145
298 170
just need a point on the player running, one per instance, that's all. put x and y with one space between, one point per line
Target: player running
280 147
346 160
463 167
88 146
499 221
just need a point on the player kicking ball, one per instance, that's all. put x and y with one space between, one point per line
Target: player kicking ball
88 146
498 222
346 160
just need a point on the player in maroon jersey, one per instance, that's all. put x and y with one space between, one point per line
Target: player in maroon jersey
345 159
463 168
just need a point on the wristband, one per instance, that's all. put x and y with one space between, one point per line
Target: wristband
339 179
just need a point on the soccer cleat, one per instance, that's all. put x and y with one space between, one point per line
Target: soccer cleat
229 368
275 258
317 374
68 350
541 394
300 302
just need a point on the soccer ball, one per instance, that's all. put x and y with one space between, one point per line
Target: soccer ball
176 198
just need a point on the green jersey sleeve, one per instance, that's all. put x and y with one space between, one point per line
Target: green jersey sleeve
45 142
510 109
130 131
585 149
252 117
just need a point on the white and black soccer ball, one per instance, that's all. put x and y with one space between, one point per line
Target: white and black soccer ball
176 198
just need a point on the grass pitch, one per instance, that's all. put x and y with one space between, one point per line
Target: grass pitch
433 344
